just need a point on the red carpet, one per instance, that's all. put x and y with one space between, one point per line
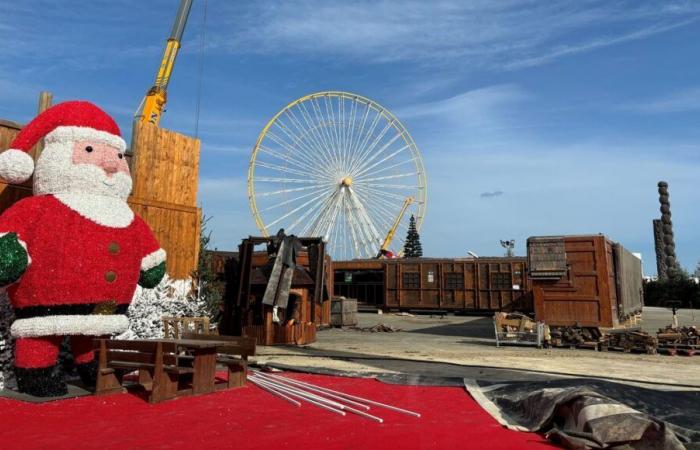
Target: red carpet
250 418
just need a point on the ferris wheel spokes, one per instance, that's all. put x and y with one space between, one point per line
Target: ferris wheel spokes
339 166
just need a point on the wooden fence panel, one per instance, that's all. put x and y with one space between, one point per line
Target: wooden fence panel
165 165
177 230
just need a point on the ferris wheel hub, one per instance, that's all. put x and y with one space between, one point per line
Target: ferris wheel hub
346 182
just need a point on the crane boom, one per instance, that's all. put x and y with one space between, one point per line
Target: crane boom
392 231
153 104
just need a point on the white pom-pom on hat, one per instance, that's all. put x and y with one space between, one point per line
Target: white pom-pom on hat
16 166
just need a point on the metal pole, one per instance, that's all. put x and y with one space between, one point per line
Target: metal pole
315 388
323 400
353 397
273 392
302 397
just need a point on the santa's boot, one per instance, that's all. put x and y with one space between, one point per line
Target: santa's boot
42 382
35 367
84 358
88 373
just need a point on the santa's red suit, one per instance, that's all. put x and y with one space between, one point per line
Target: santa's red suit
74 251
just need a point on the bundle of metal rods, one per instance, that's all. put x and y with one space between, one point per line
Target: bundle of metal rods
296 392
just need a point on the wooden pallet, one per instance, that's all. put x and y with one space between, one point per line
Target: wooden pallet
648 351
591 345
667 351
681 349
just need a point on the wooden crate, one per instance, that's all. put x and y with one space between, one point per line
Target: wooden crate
165 172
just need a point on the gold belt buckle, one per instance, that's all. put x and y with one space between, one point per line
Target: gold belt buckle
108 307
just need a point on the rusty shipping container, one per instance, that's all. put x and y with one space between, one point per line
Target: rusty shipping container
483 284
589 281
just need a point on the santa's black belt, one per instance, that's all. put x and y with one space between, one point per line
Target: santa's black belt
71 310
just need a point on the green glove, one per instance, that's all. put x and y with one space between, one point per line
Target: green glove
151 277
13 259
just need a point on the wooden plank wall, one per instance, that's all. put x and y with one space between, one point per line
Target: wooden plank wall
165 165
9 194
629 283
586 295
478 289
165 169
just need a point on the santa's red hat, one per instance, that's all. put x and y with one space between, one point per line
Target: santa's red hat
65 122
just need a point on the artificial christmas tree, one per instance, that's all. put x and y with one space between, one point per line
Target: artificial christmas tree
72 254
7 376
412 248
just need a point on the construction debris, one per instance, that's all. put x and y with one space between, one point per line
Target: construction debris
630 341
683 340
379 328
575 337
296 392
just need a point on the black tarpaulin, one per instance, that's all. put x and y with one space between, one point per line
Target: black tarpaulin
588 413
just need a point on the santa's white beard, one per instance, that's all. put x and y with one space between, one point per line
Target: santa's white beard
85 188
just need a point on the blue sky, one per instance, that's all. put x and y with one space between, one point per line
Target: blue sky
569 111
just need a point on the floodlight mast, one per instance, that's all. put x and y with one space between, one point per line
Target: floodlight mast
509 246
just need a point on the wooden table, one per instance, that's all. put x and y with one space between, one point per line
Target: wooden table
204 353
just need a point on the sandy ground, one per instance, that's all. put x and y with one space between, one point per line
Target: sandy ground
464 346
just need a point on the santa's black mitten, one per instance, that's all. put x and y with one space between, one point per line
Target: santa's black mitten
151 277
13 259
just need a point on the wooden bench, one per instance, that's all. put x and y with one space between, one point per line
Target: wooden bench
157 364
233 352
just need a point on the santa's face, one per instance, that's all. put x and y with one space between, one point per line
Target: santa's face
83 166
102 155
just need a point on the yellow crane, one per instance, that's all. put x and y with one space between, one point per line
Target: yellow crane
153 104
384 249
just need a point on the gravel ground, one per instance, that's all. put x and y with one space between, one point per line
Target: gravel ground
464 346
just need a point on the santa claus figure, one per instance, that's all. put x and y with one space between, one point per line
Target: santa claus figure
72 254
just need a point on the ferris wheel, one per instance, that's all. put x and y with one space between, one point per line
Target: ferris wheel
340 166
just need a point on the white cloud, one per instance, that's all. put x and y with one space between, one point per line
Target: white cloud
472 105
681 101
503 35
565 50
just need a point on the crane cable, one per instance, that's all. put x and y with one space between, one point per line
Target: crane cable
200 71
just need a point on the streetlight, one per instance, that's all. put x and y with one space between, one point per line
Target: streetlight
508 245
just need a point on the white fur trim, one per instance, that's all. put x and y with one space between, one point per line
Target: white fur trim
88 325
23 244
72 134
16 166
152 260
108 211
